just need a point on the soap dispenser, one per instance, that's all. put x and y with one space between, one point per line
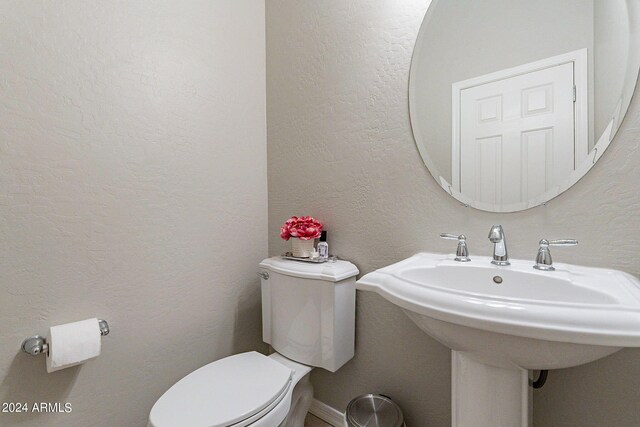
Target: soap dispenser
323 246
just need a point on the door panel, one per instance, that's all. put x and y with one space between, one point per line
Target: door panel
517 136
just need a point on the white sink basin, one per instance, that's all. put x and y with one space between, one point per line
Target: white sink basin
518 285
501 321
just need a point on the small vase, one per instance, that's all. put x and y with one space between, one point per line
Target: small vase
301 248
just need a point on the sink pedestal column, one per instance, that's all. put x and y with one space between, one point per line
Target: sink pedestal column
487 396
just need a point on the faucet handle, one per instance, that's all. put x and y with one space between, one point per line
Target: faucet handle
560 242
462 252
451 236
543 259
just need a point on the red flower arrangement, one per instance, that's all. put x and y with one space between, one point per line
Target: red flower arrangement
305 228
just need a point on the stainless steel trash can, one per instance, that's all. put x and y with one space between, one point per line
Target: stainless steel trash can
374 410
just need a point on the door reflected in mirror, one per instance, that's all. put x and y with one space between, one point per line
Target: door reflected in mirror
513 101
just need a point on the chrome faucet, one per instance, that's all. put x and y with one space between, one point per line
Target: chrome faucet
500 255
462 253
543 259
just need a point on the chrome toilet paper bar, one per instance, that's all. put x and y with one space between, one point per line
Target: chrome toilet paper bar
38 344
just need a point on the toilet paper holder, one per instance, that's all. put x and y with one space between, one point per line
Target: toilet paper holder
38 344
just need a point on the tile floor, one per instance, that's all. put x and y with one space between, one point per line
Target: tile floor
313 421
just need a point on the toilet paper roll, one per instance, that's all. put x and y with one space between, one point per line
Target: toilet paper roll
72 344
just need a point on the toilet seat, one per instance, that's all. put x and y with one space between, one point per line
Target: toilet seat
235 391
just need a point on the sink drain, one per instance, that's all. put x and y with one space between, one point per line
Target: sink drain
497 279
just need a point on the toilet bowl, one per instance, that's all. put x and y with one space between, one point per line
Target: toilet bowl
247 389
308 316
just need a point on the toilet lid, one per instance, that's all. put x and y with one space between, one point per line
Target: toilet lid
224 392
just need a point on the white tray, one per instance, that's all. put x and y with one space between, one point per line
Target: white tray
289 255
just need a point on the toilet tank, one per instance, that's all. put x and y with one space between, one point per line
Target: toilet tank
308 310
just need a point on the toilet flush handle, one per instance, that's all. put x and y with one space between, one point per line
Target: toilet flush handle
264 275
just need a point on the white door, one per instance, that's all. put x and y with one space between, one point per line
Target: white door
517 136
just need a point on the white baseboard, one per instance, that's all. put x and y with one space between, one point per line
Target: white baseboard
328 414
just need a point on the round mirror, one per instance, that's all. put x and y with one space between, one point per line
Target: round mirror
513 101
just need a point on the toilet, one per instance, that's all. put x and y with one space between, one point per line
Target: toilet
308 318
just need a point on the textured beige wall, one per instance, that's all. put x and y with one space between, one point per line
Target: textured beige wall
133 187
340 147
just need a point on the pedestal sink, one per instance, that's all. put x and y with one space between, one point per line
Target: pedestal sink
502 321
